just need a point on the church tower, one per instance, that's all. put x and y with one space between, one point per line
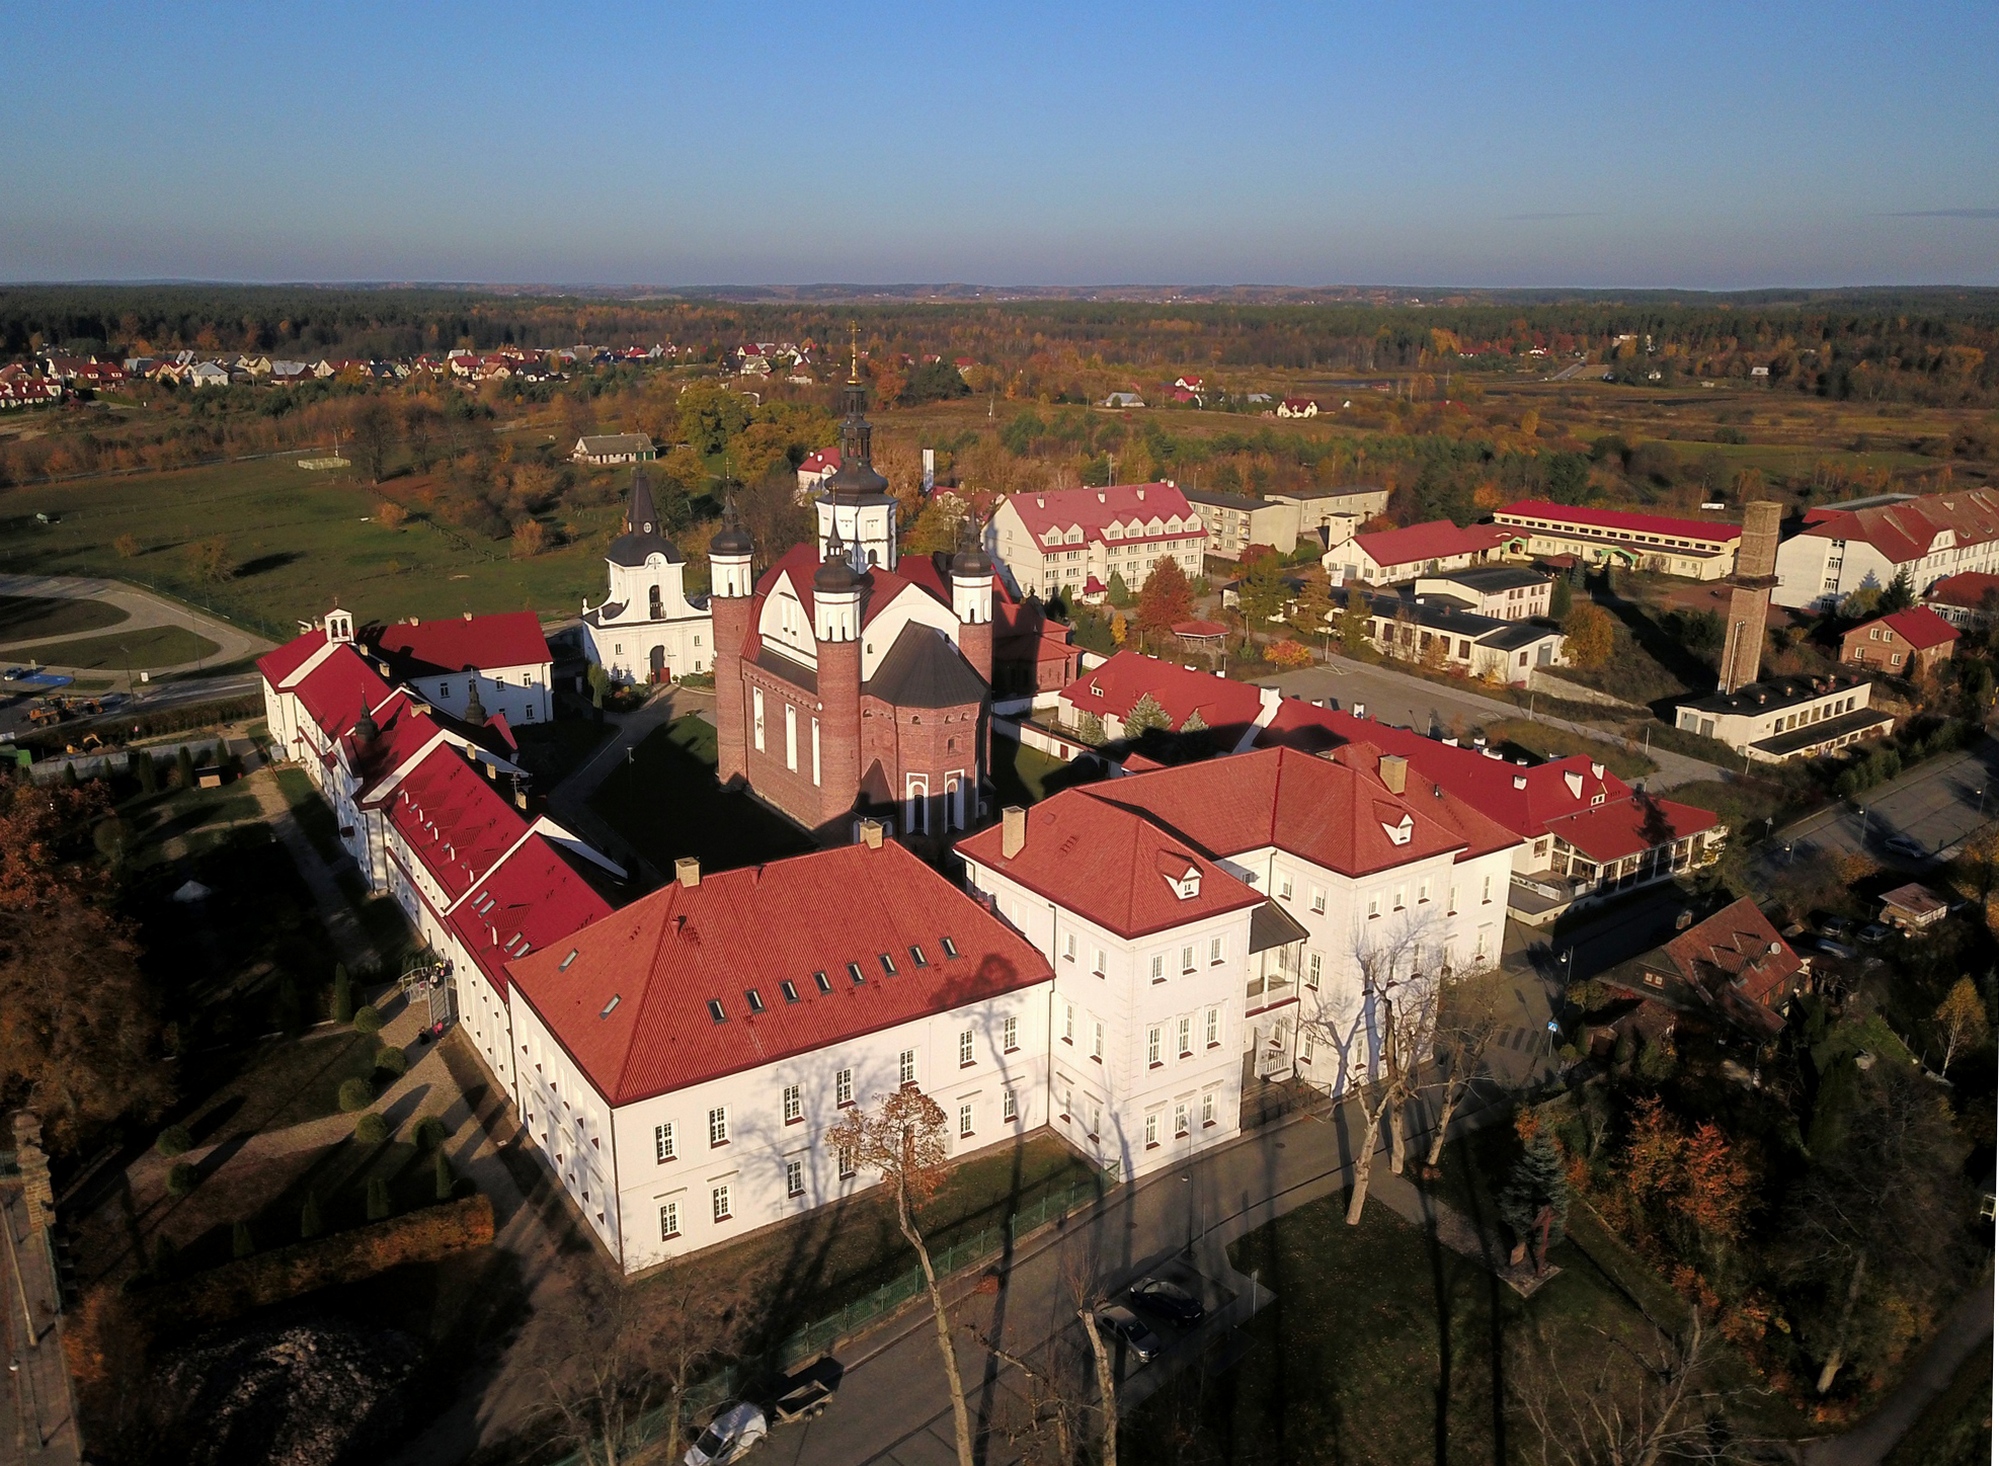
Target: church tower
836 634
730 585
855 501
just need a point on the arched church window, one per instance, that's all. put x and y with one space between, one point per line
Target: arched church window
873 559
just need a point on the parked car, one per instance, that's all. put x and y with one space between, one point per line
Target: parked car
1834 949
1834 926
1908 849
1875 933
1116 1321
729 1436
1167 1300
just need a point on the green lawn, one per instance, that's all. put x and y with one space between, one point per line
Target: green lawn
296 540
1547 742
22 617
667 803
201 817
1024 775
139 651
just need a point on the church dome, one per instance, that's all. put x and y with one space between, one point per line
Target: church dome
732 538
970 562
835 574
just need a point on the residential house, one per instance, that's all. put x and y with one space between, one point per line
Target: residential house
1394 555
206 374
1869 542
1298 407
1970 598
1902 643
1505 592
492 667
1436 631
607 448
1124 399
1784 718
1913 907
1697 549
1235 522
816 468
1732 971
1053 542
1191 701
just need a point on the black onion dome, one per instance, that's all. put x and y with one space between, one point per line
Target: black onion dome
732 538
836 573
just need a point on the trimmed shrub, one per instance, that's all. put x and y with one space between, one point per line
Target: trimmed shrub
182 1180
343 994
173 1141
446 1182
378 1199
166 1258
371 1128
392 1061
184 767
356 1094
430 1133
367 1019
241 1243
148 772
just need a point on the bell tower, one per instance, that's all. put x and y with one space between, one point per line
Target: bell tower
730 585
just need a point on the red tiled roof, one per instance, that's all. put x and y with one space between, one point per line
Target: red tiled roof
1112 864
664 957
510 639
1629 826
1919 626
281 662
537 900
1621 521
1334 812
1968 588
1199 628
453 820
1736 942
334 692
1904 531
1117 685
1437 539
824 461
1091 510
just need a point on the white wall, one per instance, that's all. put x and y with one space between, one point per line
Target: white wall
522 692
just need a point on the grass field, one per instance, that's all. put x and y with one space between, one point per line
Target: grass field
667 803
296 540
23 618
1547 742
141 650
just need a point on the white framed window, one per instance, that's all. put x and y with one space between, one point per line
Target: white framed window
790 736
1010 1035
757 715
1214 951
718 1125
1184 1030
1208 1108
1312 971
1152 1044
965 1049
720 1199
1180 1118
1009 1106
1101 966
1159 967
905 1066
1284 886
1187 959
1214 1027
1304 1045
847 1162
794 1178
794 1105
1152 1130
965 1114
1097 1039
669 1221
1423 892
1068 1023
1373 906
1319 900
1069 946
666 1141
843 1087
1486 898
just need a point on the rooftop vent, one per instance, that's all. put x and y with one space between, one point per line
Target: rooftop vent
605 1011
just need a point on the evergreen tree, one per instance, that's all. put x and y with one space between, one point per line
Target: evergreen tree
446 1183
1090 730
1536 1185
1119 592
1195 722
148 772
1560 597
1354 622
1145 715
184 767
1899 596
378 1199
241 1243
343 994
69 779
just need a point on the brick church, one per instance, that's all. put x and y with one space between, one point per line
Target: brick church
852 682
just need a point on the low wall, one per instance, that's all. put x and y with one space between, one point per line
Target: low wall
1043 740
1540 681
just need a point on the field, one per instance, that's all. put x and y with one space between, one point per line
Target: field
667 803
296 541
25 617
152 646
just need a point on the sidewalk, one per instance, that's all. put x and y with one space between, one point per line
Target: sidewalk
39 1427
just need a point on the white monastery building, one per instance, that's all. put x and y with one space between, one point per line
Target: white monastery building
1068 541
647 629
1865 544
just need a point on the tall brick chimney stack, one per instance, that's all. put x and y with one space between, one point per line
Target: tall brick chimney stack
1749 595
731 582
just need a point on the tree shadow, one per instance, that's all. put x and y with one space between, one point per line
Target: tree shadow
263 563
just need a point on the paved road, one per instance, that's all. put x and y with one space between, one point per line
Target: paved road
144 609
1964 1328
1402 698
1937 805
38 1427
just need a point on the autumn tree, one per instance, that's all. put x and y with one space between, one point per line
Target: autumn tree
1960 1020
1472 1011
390 515
1165 599
529 539
374 437
420 432
902 1141
78 1022
127 546
1588 634
209 559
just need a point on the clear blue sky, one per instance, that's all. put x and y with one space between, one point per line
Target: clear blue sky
1498 144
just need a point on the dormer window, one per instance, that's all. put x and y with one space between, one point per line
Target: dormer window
1400 833
1186 885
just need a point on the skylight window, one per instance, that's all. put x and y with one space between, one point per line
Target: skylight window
824 982
789 989
563 966
950 947
605 1011
916 955
716 1010
755 999
854 971
888 963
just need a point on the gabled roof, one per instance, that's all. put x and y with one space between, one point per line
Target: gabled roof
1621 521
1736 951
1092 511
1903 531
334 692
453 820
924 670
1919 626
531 900
1113 865
1630 826
1438 539
1968 589
278 664
1115 687
630 1006
428 648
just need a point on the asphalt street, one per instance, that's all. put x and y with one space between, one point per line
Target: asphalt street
1937 805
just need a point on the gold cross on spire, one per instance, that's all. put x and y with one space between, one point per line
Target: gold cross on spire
853 351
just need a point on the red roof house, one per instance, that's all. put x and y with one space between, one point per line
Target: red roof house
1903 643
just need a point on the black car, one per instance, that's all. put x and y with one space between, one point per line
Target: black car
1119 1322
1167 1300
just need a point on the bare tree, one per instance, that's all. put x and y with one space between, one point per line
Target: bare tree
374 435
902 1141
1470 1014
1631 1407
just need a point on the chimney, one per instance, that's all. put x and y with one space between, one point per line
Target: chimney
1519 781
468 615
871 834
1394 772
1013 830
687 870
413 621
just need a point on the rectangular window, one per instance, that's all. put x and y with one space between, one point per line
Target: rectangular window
888 964
1009 1106
1184 1028
1373 906
1214 950
843 1087
1312 972
1069 946
916 955
1180 1118
1186 959
757 715
1487 898
1010 1035
669 1221
965 1049
964 1119
794 1105
721 1202
1159 967
665 1141
1068 1023
1284 887
718 1125
1151 1130
794 1178
1214 1027
790 736
1423 893
848 1166
950 947
1305 1047
1208 1108
815 751
1097 1040
1152 1045
906 1067
1319 900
